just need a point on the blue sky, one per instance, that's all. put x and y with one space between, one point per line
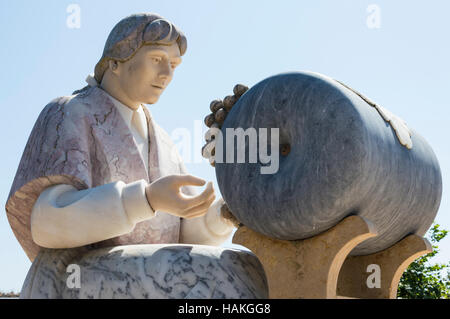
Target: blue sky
403 66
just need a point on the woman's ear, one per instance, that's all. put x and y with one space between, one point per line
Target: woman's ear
113 66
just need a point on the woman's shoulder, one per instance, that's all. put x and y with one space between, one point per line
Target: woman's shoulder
87 101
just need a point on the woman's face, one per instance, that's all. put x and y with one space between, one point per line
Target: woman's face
144 77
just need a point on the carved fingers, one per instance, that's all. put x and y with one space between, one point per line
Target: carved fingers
200 209
183 180
164 195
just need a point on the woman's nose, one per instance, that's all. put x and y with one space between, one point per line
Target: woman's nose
166 73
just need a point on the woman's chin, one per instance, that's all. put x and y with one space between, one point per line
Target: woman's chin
152 100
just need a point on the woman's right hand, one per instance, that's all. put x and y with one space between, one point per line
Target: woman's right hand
164 194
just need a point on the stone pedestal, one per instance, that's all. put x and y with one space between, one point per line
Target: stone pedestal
392 262
320 267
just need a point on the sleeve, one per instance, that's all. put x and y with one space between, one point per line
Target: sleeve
64 217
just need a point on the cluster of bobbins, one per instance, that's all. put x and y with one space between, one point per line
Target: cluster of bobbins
219 111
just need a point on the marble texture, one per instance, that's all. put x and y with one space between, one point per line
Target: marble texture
148 271
399 126
82 140
345 159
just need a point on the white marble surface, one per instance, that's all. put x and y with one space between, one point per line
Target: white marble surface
148 271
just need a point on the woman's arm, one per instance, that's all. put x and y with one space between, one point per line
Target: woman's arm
64 217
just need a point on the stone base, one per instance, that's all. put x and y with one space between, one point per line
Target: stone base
392 262
147 271
319 267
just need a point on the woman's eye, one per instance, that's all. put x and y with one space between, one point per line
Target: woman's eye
156 59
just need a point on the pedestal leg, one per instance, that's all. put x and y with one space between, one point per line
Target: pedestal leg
378 275
306 268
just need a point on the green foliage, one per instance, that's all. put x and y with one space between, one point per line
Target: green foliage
423 280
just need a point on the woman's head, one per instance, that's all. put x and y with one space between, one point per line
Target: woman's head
140 56
135 31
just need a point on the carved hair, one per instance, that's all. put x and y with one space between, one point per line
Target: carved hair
132 32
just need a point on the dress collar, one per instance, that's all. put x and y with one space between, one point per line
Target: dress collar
125 111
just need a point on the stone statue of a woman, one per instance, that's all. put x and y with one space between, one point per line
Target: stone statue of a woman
100 185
